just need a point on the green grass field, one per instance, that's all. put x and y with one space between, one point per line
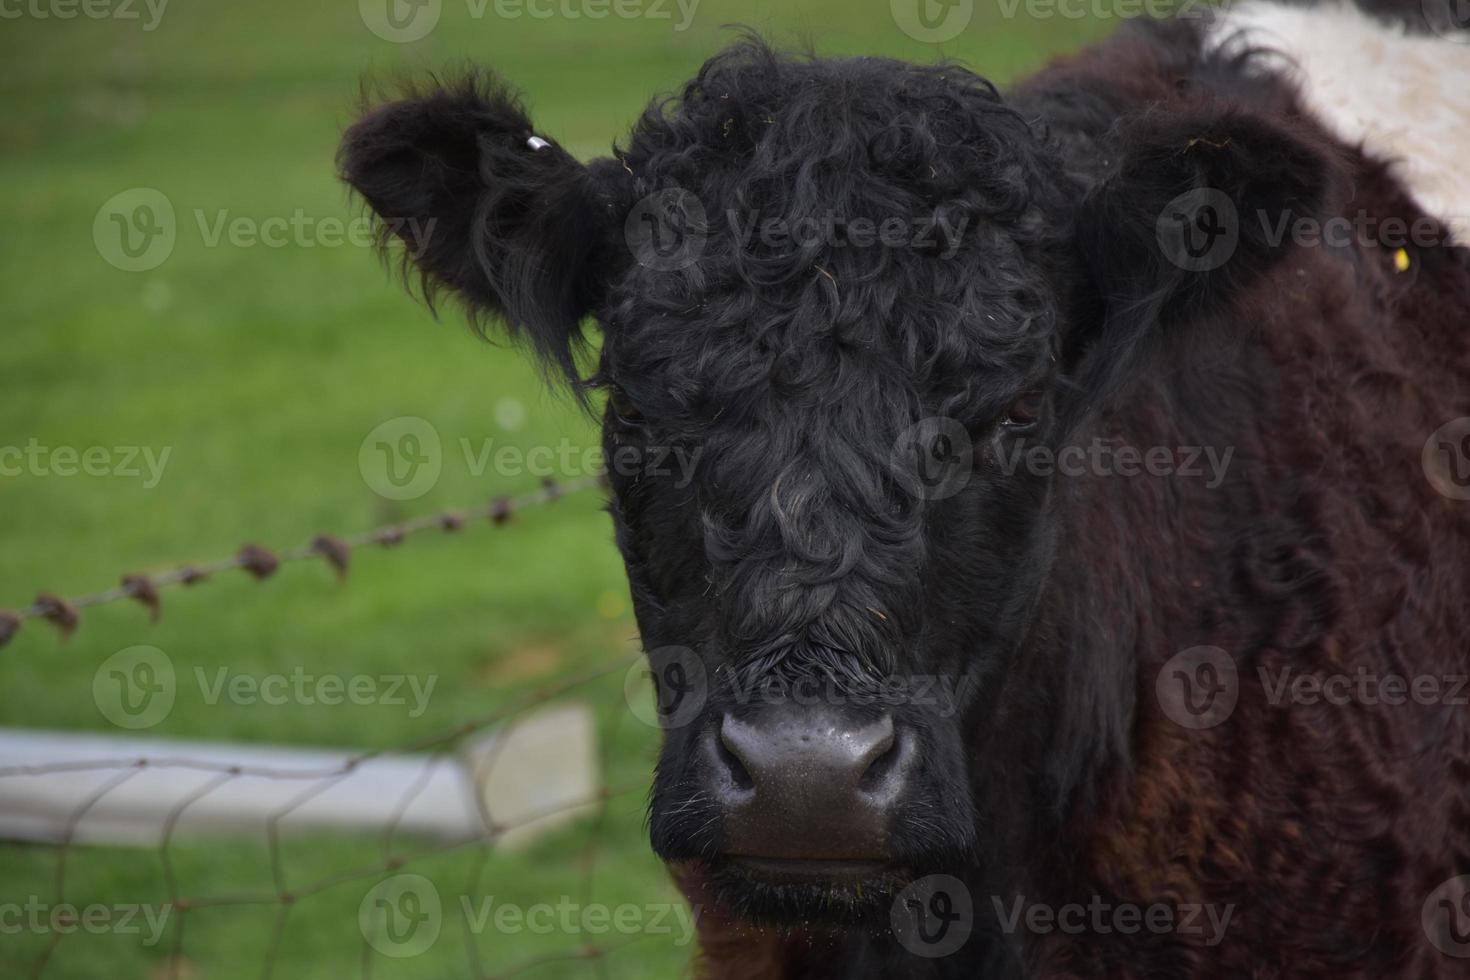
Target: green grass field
260 370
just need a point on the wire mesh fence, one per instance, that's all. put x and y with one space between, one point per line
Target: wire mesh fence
401 913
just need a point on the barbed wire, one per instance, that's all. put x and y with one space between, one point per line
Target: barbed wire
261 562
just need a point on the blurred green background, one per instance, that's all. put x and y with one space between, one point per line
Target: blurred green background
261 370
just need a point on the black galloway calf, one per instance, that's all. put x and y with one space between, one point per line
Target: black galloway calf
1073 582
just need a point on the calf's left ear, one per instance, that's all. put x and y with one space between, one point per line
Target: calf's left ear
1199 208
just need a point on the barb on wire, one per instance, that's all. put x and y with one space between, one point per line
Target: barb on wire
261 562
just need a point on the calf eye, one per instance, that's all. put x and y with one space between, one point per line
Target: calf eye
1025 411
623 410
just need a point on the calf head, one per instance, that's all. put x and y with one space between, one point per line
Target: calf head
840 289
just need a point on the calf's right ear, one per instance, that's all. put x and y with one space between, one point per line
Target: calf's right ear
1196 213
505 219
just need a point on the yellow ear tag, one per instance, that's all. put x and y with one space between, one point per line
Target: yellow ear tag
1401 260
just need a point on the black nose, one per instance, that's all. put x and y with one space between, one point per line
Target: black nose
808 782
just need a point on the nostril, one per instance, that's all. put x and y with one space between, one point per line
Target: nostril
884 758
734 768
783 753
883 767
